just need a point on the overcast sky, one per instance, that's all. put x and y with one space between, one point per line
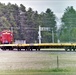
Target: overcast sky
57 6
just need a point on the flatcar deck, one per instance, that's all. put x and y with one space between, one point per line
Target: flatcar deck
67 46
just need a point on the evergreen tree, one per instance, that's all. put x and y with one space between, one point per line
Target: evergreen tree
68 27
25 24
48 20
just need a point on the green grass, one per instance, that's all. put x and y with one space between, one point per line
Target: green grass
38 72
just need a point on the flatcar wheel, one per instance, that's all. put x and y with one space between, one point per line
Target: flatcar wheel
70 49
66 48
10 49
38 49
19 49
31 49
25 49
73 48
4 49
28 49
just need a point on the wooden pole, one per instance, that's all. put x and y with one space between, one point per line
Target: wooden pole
57 62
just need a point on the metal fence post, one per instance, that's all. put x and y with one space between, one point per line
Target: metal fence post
57 62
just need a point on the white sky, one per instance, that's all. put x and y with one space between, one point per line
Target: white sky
57 6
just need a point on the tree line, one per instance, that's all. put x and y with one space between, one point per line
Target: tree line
67 31
25 23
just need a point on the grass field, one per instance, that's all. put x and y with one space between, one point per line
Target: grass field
37 63
38 72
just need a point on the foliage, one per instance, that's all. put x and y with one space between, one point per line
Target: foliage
48 20
25 24
68 27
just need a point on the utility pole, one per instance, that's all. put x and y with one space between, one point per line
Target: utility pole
45 29
39 32
52 36
12 29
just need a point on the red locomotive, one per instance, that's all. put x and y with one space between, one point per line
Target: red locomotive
6 37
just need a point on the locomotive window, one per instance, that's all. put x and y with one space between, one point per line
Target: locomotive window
11 34
6 33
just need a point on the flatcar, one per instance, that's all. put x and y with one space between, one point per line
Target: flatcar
6 37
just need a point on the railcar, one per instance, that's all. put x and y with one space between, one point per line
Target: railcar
6 37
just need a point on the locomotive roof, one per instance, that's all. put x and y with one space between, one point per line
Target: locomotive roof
6 31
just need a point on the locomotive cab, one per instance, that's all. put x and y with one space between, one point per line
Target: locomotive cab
6 37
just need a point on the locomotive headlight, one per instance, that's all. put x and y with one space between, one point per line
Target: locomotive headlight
11 34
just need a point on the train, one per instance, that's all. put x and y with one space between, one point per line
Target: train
6 37
7 42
